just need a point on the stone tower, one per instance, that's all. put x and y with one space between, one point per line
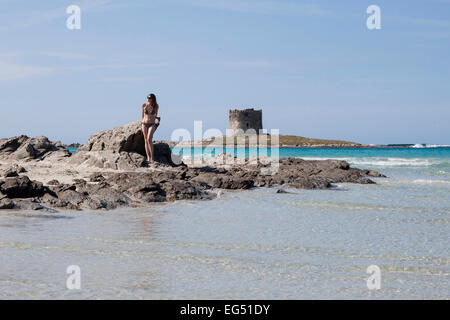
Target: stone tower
245 120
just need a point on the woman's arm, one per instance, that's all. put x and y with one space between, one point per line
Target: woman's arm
143 107
156 110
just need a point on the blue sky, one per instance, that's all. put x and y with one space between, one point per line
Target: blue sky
312 66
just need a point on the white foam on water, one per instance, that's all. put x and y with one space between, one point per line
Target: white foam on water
388 162
441 173
430 181
424 145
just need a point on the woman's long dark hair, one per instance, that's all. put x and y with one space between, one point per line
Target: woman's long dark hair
153 102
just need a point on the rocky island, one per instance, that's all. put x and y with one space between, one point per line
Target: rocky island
107 172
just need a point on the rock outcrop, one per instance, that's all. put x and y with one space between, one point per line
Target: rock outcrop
21 187
25 148
85 179
121 148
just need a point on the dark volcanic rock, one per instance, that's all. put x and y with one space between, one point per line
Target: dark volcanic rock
372 173
151 187
73 197
22 187
102 196
282 191
11 173
6 204
319 174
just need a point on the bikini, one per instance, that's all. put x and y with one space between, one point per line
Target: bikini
149 122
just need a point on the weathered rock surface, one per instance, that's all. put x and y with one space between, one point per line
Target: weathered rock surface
25 148
14 171
121 148
108 160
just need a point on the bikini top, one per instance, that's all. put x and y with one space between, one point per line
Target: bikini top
146 109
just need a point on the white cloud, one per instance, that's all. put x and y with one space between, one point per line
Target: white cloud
11 71
66 55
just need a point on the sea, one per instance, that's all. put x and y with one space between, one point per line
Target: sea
388 240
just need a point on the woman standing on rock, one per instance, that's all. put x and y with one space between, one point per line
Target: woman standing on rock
150 122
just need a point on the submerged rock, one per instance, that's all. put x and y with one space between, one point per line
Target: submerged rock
373 173
6 204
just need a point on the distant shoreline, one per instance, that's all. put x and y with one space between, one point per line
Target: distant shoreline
289 141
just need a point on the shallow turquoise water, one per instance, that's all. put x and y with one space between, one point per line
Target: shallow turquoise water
254 244
408 153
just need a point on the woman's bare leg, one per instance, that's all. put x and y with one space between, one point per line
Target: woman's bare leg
149 154
150 141
147 147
